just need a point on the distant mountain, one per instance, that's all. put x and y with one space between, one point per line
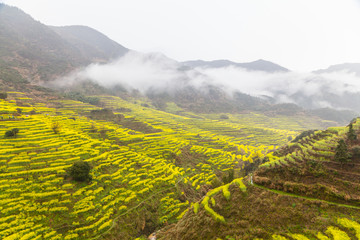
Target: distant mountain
33 52
91 43
31 48
259 65
347 67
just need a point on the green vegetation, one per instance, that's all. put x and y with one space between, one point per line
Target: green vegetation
12 133
303 135
80 171
82 98
56 127
148 166
301 181
342 154
351 135
105 167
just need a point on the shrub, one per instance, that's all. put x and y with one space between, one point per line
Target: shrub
55 126
145 105
9 133
80 171
356 151
228 176
12 133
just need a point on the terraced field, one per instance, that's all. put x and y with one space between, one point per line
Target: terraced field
302 192
149 166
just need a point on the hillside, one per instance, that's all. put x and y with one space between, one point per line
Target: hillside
32 52
299 192
92 44
168 150
149 166
258 65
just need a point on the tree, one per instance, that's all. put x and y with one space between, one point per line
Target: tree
342 154
80 171
223 116
55 126
351 135
15 131
12 133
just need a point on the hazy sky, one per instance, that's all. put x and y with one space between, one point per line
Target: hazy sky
298 34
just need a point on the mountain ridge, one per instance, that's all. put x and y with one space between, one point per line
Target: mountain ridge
41 53
343 67
91 43
258 65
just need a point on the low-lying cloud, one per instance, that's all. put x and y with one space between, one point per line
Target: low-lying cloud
309 90
138 71
155 72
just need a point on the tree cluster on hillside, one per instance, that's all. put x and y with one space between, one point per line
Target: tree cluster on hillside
82 98
342 154
12 133
351 135
80 171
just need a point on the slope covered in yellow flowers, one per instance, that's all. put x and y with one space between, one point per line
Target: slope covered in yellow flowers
304 192
149 166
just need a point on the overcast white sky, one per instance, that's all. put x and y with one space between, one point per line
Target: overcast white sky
297 34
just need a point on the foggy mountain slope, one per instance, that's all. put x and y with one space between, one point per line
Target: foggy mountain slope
338 90
258 65
91 43
32 51
220 90
162 80
345 67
